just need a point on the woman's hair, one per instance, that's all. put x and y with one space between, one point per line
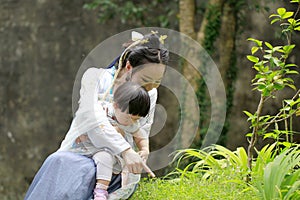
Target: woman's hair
149 50
133 97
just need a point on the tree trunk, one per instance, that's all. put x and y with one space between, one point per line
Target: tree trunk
187 17
201 32
187 27
227 45
227 42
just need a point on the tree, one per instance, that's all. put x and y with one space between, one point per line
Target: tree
219 16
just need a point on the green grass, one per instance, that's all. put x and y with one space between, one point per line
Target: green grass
221 174
194 188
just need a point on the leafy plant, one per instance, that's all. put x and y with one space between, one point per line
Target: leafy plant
273 75
275 173
133 12
212 160
280 179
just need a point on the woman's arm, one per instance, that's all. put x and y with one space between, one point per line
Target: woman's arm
89 107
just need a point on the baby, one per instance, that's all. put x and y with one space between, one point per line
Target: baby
130 103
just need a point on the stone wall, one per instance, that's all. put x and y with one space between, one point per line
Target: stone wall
42 46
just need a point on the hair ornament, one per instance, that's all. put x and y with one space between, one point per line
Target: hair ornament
136 36
162 39
154 32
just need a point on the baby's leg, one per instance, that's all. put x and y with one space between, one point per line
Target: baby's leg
104 162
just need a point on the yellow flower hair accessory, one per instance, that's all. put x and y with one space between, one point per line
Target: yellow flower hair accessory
154 32
162 38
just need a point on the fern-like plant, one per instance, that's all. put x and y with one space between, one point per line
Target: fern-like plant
280 178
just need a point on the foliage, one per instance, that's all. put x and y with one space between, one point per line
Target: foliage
259 5
194 187
212 160
276 173
211 33
273 74
212 28
280 178
215 158
134 12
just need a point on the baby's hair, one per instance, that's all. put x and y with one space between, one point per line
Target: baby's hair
132 97
149 49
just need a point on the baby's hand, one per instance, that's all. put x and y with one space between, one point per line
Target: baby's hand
81 138
144 153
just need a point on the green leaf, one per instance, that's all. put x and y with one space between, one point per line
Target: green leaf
287 15
261 87
276 61
288 48
294 1
249 135
292 72
281 11
253 58
291 65
261 80
266 93
258 42
268 45
275 20
276 171
278 86
291 86
288 80
274 15
268 56
256 68
288 101
292 21
254 49
248 113
277 48
286 144
270 135
286 108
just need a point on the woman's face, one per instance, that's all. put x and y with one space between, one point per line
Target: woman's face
148 76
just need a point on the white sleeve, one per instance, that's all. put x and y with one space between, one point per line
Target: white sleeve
106 136
89 116
147 121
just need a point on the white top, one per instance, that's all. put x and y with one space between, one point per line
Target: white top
90 115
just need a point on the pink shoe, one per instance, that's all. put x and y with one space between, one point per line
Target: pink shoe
100 194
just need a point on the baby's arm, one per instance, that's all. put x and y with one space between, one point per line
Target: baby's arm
142 144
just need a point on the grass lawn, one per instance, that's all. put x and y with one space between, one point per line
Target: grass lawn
194 187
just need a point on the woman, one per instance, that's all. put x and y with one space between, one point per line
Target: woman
65 175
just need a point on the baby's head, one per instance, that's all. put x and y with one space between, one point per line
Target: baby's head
131 102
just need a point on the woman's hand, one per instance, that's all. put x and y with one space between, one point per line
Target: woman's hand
135 163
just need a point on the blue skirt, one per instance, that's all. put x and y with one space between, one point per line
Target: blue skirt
67 176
